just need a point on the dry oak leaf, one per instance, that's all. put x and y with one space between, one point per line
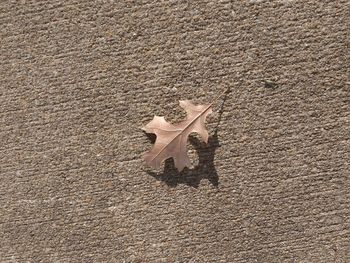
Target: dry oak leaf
171 139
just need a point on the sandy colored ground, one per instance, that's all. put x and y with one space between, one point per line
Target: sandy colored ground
79 78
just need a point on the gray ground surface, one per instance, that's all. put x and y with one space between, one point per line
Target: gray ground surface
79 78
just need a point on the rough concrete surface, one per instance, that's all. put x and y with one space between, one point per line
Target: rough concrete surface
79 78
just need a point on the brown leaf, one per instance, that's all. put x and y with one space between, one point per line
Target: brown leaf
171 139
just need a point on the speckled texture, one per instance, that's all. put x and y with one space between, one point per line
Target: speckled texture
79 78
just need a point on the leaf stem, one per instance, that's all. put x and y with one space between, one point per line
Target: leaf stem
222 93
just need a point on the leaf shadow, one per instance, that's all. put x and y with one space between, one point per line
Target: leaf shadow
205 169
192 177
